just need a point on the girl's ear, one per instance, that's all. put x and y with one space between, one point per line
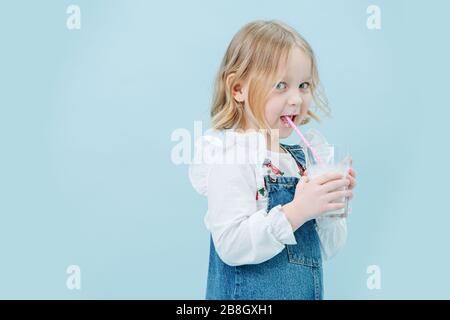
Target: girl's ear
237 89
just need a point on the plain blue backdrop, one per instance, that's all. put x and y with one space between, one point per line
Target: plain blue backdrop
86 118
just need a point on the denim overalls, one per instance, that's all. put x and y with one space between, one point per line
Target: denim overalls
294 273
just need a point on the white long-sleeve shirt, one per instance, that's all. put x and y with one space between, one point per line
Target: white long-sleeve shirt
228 169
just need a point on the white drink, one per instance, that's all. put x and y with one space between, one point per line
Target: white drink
333 158
317 170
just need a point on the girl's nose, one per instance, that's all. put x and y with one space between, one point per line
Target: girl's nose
295 99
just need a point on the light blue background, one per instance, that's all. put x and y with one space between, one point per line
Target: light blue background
86 118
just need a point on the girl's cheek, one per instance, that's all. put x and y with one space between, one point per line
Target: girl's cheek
273 110
306 104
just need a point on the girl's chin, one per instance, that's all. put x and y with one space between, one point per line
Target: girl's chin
283 132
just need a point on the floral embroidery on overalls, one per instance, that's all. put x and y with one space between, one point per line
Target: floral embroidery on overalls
272 169
301 169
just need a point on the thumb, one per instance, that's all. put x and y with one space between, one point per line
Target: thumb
304 178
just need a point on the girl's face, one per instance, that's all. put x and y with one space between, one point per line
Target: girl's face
292 93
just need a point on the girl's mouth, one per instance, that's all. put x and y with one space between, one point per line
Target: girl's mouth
285 122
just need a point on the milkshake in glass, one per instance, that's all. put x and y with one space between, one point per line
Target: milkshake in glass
333 158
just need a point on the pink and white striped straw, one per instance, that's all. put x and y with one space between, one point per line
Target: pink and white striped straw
292 124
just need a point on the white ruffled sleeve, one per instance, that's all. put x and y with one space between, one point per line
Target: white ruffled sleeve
205 149
241 233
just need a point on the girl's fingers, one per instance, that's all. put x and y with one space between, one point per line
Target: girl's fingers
352 172
329 176
351 196
334 206
352 182
351 176
335 184
333 196
304 179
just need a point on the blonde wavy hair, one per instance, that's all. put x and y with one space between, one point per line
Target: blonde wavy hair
253 55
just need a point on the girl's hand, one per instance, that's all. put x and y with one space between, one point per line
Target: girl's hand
352 177
315 196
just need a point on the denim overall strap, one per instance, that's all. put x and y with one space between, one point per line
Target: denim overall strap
297 153
294 273
310 236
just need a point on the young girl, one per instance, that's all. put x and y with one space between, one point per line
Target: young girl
265 215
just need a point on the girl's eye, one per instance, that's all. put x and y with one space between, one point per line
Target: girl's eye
305 85
281 85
